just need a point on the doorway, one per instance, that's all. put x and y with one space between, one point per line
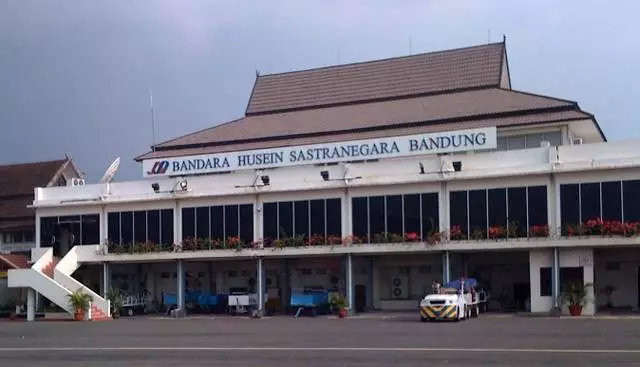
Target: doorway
360 298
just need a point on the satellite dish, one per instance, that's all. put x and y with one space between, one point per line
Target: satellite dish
111 171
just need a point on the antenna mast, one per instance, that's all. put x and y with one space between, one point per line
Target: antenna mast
153 122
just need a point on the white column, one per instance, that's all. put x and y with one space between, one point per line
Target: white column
258 234
555 277
180 279
553 206
446 268
103 229
106 278
443 207
347 225
349 284
177 223
31 304
260 284
37 238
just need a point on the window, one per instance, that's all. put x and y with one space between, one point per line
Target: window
529 141
611 201
567 276
510 211
124 228
631 195
219 222
80 229
394 215
305 218
18 237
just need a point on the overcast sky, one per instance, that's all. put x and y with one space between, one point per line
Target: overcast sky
75 75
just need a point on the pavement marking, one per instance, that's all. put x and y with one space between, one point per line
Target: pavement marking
322 349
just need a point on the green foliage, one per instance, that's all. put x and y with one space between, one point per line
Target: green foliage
79 300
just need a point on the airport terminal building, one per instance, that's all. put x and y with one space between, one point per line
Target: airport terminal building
374 179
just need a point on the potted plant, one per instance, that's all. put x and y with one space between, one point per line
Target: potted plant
115 298
575 295
338 302
79 301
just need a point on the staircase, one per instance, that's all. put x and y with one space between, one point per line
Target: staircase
52 278
97 314
50 267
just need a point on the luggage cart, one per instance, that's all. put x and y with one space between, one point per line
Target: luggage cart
136 303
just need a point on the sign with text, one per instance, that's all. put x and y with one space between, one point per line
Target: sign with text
399 146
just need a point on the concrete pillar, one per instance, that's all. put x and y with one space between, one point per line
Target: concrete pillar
446 268
31 304
260 285
180 289
285 286
349 284
106 279
555 277
37 238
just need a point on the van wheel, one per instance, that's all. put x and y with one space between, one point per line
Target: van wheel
423 319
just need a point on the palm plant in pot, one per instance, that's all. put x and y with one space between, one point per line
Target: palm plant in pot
115 298
79 302
338 303
576 297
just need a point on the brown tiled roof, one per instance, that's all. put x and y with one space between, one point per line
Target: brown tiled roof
15 261
21 178
19 223
401 77
516 120
17 182
448 109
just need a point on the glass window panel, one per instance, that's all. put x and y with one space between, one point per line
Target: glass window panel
360 217
90 229
216 216
478 211
153 226
202 222
231 228
317 217
516 142
589 201
246 223
394 214
569 205
376 215
458 211
188 223
612 201
166 225
270 221
545 282
334 217
140 226
113 225
554 138
126 227
517 204
534 140
412 213
301 220
285 213
631 194
538 214
502 143
430 214
497 207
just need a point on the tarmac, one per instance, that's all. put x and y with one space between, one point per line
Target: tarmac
364 340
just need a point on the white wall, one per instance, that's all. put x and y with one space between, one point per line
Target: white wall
568 258
624 278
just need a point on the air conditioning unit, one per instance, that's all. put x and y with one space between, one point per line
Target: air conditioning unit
576 141
77 181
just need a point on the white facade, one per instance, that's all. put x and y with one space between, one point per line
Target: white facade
505 261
